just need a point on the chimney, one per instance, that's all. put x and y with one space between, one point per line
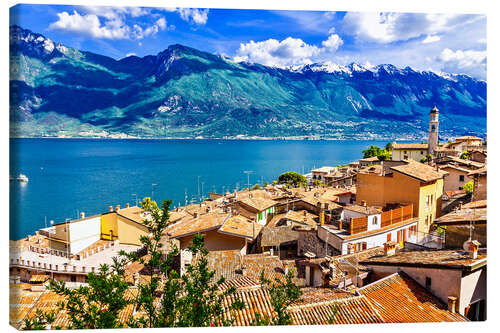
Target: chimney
117 207
127 205
82 215
349 248
209 209
250 195
110 208
305 213
473 248
452 303
389 248
460 205
363 203
195 214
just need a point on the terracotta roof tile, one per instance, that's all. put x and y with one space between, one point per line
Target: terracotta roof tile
419 171
274 236
400 299
258 203
410 146
475 204
457 259
463 215
201 223
240 226
352 310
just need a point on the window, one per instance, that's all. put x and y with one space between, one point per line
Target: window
389 237
363 246
461 178
433 128
421 152
428 282
374 220
73 278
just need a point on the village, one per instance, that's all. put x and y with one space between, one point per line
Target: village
392 239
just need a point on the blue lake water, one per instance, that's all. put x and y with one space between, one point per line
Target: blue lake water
68 176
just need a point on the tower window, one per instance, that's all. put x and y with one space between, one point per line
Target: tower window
433 128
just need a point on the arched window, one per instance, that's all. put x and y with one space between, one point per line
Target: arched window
433 128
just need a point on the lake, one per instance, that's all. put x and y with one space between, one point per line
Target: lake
68 176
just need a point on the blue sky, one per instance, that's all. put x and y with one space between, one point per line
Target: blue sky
452 43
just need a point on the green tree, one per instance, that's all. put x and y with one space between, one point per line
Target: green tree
89 307
256 187
282 295
388 146
372 151
292 178
191 300
465 155
316 182
469 186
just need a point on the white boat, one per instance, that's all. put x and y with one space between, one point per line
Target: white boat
22 178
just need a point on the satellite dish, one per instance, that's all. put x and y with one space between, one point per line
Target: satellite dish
466 245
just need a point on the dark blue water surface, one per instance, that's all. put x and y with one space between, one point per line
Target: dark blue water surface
67 176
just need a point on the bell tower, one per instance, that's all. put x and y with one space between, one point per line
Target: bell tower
433 130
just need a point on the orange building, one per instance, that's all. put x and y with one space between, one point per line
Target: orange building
411 183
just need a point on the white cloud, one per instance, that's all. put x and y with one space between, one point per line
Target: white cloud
90 25
159 25
191 15
333 42
392 27
107 23
290 51
271 52
463 61
431 39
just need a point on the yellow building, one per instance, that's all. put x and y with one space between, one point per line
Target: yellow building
409 151
412 183
124 225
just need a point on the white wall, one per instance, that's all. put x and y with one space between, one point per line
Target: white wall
380 238
473 289
84 233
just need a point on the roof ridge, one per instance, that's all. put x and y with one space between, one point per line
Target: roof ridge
331 301
388 277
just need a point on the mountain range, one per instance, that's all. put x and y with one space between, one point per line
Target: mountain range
183 92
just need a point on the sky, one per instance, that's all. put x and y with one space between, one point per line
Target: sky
451 43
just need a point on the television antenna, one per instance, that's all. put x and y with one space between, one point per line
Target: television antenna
248 172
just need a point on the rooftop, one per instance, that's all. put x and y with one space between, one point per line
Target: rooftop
240 226
274 236
475 204
366 210
468 137
324 169
370 159
481 171
410 146
452 259
258 203
462 216
400 299
419 171
198 224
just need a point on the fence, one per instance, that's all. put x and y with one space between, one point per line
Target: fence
430 240
360 224
49 267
